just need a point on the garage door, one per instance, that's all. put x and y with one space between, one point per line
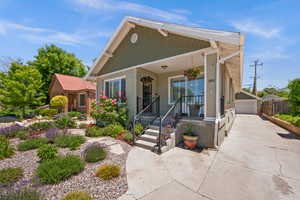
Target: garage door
246 106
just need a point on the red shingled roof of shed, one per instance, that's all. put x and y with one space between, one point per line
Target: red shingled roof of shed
74 83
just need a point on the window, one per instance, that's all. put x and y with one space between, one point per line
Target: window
115 87
180 86
82 99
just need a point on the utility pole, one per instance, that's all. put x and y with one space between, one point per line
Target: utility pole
255 65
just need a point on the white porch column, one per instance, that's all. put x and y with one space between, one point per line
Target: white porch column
212 96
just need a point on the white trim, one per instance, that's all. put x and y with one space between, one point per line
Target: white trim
222 60
209 50
164 33
108 54
84 100
197 33
120 27
213 44
185 83
113 79
205 71
218 110
169 86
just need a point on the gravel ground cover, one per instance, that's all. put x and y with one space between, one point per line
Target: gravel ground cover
85 181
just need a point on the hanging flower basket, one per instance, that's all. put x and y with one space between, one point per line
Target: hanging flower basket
192 73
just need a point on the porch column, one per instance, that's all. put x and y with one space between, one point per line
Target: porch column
131 91
211 70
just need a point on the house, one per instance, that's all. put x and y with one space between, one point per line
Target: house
148 62
247 103
273 97
80 92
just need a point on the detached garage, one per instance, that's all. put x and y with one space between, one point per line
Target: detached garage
246 103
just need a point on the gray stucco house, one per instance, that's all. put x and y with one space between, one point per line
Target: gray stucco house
147 61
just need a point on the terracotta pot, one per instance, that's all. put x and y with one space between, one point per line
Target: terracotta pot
190 141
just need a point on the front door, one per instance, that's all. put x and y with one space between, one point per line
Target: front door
147 93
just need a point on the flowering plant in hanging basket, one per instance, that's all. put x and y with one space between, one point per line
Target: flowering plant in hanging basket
192 73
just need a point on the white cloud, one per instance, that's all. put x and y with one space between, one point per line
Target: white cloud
252 27
43 35
5 26
125 6
269 54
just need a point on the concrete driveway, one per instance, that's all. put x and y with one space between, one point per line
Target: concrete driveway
258 160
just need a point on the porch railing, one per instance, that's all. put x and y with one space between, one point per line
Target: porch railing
191 106
147 115
142 102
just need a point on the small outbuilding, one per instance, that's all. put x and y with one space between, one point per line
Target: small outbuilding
247 103
80 92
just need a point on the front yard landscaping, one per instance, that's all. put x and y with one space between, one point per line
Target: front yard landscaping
58 159
293 119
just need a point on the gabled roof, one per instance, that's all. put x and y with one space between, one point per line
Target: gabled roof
230 38
246 95
72 83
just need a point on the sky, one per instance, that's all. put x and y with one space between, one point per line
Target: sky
83 27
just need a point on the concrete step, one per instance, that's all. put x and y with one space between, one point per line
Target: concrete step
152 132
145 145
148 138
153 127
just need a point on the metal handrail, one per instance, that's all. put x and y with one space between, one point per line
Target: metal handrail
157 99
162 119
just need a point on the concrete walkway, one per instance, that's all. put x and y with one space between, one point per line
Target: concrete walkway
258 160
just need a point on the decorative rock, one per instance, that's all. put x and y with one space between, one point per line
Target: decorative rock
116 149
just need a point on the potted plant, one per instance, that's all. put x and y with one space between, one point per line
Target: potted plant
192 73
190 138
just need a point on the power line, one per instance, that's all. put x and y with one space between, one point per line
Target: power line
255 77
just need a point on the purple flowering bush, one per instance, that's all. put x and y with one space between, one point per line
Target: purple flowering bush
11 131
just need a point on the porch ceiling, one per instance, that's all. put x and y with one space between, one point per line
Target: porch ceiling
176 63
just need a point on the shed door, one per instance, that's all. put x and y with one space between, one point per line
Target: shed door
246 106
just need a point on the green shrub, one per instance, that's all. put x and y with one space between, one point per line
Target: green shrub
94 153
70 141
74 114
138 129
77 195
41 126
94 131
59 101
114 130
21 195
47 152
128 137
108 172
59 169
48 112
6 150
32 144
65 122
22 134
293 119
10 175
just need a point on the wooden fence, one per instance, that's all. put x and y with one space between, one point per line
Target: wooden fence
275 107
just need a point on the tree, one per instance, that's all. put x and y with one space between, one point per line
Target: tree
52 59
294 95
20 87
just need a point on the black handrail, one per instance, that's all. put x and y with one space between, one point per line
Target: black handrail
137 117
162 119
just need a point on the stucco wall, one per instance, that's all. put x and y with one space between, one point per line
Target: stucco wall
211 85
151 46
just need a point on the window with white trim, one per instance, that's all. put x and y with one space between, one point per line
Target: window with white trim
115 88
82 99
181 86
